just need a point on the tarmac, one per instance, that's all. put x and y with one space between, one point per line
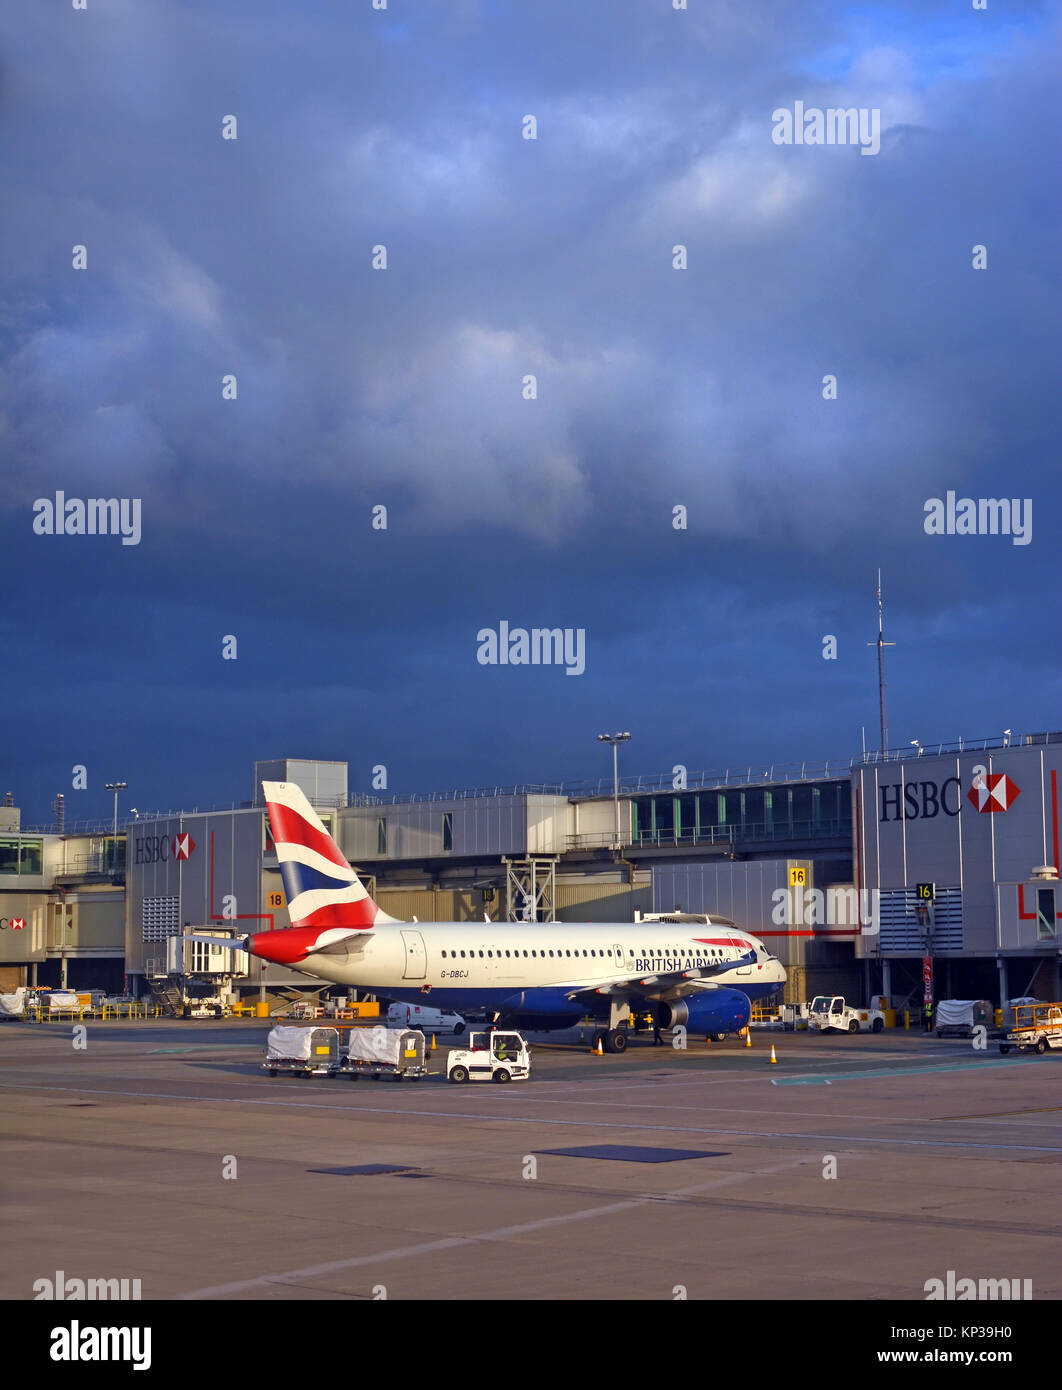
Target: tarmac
855 1168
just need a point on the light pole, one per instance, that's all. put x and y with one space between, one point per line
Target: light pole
615 740
115 787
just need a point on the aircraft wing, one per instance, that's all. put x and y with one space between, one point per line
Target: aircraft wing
672 985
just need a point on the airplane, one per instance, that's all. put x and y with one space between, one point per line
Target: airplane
537 976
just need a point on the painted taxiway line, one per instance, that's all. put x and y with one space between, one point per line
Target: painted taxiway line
482 1116
406 1252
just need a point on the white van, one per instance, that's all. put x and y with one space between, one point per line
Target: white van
427 1020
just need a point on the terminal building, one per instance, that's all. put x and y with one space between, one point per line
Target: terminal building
856 873
62 904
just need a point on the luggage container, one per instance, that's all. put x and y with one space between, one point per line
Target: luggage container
380 1051
795 1017
957 1018
303 1052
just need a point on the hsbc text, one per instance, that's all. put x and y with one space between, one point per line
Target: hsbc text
921 800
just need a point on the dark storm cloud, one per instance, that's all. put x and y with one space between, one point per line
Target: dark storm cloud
507 257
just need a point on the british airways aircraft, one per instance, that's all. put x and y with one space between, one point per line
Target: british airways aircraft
534 975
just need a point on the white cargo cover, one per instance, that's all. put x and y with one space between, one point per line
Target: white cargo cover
294 1043
377 1045
12 1005
61 999
956 1013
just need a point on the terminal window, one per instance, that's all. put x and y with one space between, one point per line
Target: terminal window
1045 913
19 856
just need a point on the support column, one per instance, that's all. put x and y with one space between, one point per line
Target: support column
886 979
1003 990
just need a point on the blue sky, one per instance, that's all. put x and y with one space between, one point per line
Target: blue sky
656 387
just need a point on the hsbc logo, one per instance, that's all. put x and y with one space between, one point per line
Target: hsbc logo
15 923
158 849
993 792
926 800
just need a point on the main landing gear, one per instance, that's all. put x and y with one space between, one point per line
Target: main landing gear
611 1039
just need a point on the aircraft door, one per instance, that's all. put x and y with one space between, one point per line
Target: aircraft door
619 960
415 958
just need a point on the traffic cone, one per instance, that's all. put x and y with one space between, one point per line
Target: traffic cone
774 1059
748 1037
433 1042
599 1051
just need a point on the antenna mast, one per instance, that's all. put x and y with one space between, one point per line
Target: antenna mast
881 644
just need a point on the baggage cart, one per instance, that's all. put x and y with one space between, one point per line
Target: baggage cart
303 1052
379 1052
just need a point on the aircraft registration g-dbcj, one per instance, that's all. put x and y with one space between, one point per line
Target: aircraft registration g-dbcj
532 975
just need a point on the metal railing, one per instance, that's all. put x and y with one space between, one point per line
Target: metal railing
70 827
94 862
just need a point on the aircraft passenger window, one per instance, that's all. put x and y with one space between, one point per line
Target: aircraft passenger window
481 955
462 955
507 955
551 955
490 953
567 953
593 953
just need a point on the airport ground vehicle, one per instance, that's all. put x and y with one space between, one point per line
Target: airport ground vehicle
303 1051
1036 1028
428 1020
379 1052
495 1056
830 1014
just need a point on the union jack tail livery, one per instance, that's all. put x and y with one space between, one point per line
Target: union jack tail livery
322 890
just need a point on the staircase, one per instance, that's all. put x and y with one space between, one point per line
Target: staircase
168 994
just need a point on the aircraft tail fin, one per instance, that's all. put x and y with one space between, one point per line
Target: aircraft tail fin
321 888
